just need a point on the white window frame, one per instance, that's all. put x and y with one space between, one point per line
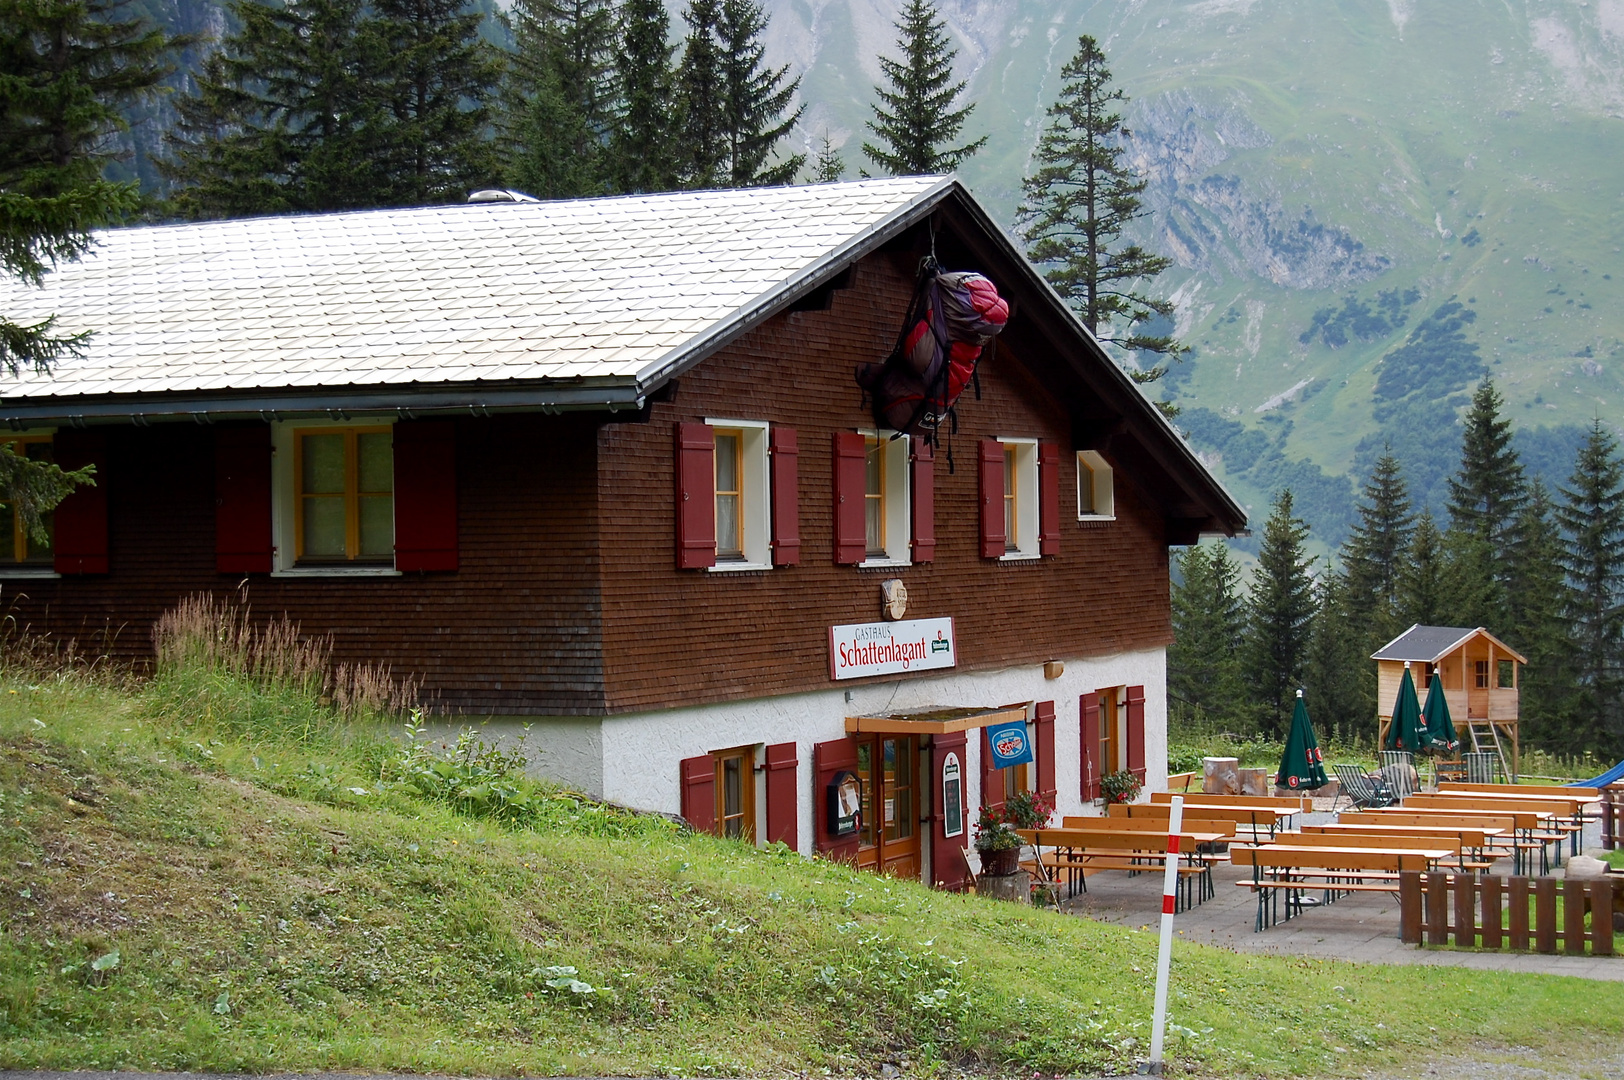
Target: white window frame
898 497
755 495
1026 500
284 489
1104 488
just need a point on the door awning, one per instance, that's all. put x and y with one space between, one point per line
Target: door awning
934 721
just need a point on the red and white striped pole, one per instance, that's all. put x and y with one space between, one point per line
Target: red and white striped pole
1164 956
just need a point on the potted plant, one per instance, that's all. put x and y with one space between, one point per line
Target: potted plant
998 844
1120 787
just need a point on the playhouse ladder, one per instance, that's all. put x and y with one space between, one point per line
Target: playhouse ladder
1485 736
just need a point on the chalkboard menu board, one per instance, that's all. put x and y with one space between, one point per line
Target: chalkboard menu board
952 797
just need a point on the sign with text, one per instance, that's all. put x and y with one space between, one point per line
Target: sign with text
1010 745
952 797
891 648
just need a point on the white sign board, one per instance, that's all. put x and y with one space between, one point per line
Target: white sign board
891 648
952 797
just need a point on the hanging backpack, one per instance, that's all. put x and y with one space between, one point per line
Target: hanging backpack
950 320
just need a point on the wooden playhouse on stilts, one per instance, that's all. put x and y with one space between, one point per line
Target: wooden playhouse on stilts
1479 676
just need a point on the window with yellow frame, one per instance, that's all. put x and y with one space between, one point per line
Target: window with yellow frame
22 549
344 497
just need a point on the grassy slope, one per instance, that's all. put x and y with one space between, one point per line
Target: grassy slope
268 917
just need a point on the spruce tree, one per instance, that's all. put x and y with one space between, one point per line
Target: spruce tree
702 99
69 70
333 105
1077 204
1539 605
1340 677
914 120
1374 553
1202 665
1486 496
1279 614
756 101
1421 577
829 167
558 99
642 147
1591 515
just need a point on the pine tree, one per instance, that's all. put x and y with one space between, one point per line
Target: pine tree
829 166
1421 577
1374 553
1202 664
755 101
642 149
68 71
914 120
1539 604
1487 494
558 99
1591 514
1278 617
334 105
1471 593
1076 206
1340 678
702 99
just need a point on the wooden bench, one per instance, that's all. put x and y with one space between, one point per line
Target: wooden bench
1562 817
1279 869
1257 823
1181 782
1472 844
1521 842
1079 852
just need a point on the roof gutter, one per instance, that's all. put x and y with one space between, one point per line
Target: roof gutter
326 403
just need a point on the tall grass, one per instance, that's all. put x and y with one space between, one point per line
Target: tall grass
214 665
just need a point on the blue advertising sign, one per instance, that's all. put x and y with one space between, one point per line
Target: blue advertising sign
1010 745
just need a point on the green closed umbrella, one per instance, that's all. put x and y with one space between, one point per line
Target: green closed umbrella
1435 716
1407 731
1302 765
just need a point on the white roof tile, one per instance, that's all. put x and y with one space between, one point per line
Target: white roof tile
594 288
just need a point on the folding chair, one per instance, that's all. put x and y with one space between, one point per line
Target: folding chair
1479 766
1398 768
1361 791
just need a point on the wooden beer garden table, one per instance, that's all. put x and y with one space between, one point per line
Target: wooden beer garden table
1292 869
1566 815
1526 825
1078 852
1476 840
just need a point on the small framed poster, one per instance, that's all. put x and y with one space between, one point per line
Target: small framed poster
845 804
952 797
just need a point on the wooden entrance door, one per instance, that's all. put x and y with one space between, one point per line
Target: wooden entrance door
888 766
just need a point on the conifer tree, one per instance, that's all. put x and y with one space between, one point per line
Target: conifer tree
1487 494
642 147
69 69
756 100
1421 578
1471 593
1208 620
1591 514
1278 617
1374 552
1078 202
829 167
914 120
1539 604
558 99
1340 679
702 98
331 105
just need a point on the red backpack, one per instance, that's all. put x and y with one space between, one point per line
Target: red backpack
950 320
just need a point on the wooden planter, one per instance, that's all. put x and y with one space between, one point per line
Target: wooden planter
1001 863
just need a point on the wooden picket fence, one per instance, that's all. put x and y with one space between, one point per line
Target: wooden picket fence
1612 816
1505 913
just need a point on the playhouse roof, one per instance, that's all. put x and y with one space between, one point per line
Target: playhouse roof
1429 644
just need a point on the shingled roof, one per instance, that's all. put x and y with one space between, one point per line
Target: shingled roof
1429 644
536 306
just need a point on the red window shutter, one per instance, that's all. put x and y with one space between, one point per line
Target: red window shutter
948 869
696 496
1043 720
1048 499
79 541
993 539
699 792
923 483
1136 731
851 535
828 760
1091 747
242 498
781 795
425 495
786 501
992 785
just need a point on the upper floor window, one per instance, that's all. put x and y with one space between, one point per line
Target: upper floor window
885 498
17 547
1095 496
344 506
1020 498
743 528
